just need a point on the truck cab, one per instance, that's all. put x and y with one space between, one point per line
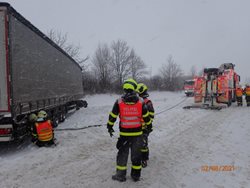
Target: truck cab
189 87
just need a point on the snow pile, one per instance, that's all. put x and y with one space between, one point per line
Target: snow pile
188 148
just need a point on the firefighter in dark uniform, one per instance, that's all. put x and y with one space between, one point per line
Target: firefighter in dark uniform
239 94
247 94
42 130
142 89
130 109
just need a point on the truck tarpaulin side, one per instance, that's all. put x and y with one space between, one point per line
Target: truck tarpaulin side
36 74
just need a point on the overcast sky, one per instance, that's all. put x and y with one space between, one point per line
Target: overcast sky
203 33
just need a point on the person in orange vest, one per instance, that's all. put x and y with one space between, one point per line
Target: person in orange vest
130 109
247 94
42 130
239 94
143 93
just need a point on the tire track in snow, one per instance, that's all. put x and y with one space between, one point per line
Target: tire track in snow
181 142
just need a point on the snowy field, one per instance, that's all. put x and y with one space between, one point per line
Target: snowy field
188 149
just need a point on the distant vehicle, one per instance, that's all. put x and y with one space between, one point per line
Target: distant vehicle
189 87
35 74
217 85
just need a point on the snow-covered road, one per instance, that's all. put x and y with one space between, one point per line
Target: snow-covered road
188 149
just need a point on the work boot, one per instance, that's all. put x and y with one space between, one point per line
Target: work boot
135 178
144 164
119 178
135 174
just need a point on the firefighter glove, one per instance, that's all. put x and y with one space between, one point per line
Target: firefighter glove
34 140
110 130
149 128
145 131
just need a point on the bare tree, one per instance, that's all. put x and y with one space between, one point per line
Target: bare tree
102 66
156 82
200 73
120 53
73 50
193 71
171 73
137 66
89 82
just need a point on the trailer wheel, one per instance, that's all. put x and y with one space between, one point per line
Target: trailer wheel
55 121
62 116
81 103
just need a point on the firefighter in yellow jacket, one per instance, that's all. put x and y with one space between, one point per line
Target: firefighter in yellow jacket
142 89
42 130
239 94
247 94
130 109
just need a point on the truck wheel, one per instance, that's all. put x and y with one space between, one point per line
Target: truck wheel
85 104
229 100
81 103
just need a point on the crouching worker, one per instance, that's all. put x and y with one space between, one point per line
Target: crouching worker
42 130
130 109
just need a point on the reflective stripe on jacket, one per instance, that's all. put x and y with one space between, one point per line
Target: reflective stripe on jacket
130 118
44 131
151 113
143 123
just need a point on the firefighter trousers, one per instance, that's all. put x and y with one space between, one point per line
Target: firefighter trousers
145 149
239 101
248 100
124 144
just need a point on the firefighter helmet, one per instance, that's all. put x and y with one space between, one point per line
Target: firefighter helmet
32 117
141 88
42 114
129 85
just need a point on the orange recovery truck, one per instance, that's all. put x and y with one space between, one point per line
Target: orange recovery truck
215 87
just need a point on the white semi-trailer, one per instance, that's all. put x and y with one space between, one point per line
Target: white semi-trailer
35 74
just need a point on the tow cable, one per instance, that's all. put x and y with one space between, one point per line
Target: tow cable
99 125
80 128
172 107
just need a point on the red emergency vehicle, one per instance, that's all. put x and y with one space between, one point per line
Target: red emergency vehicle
189 87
